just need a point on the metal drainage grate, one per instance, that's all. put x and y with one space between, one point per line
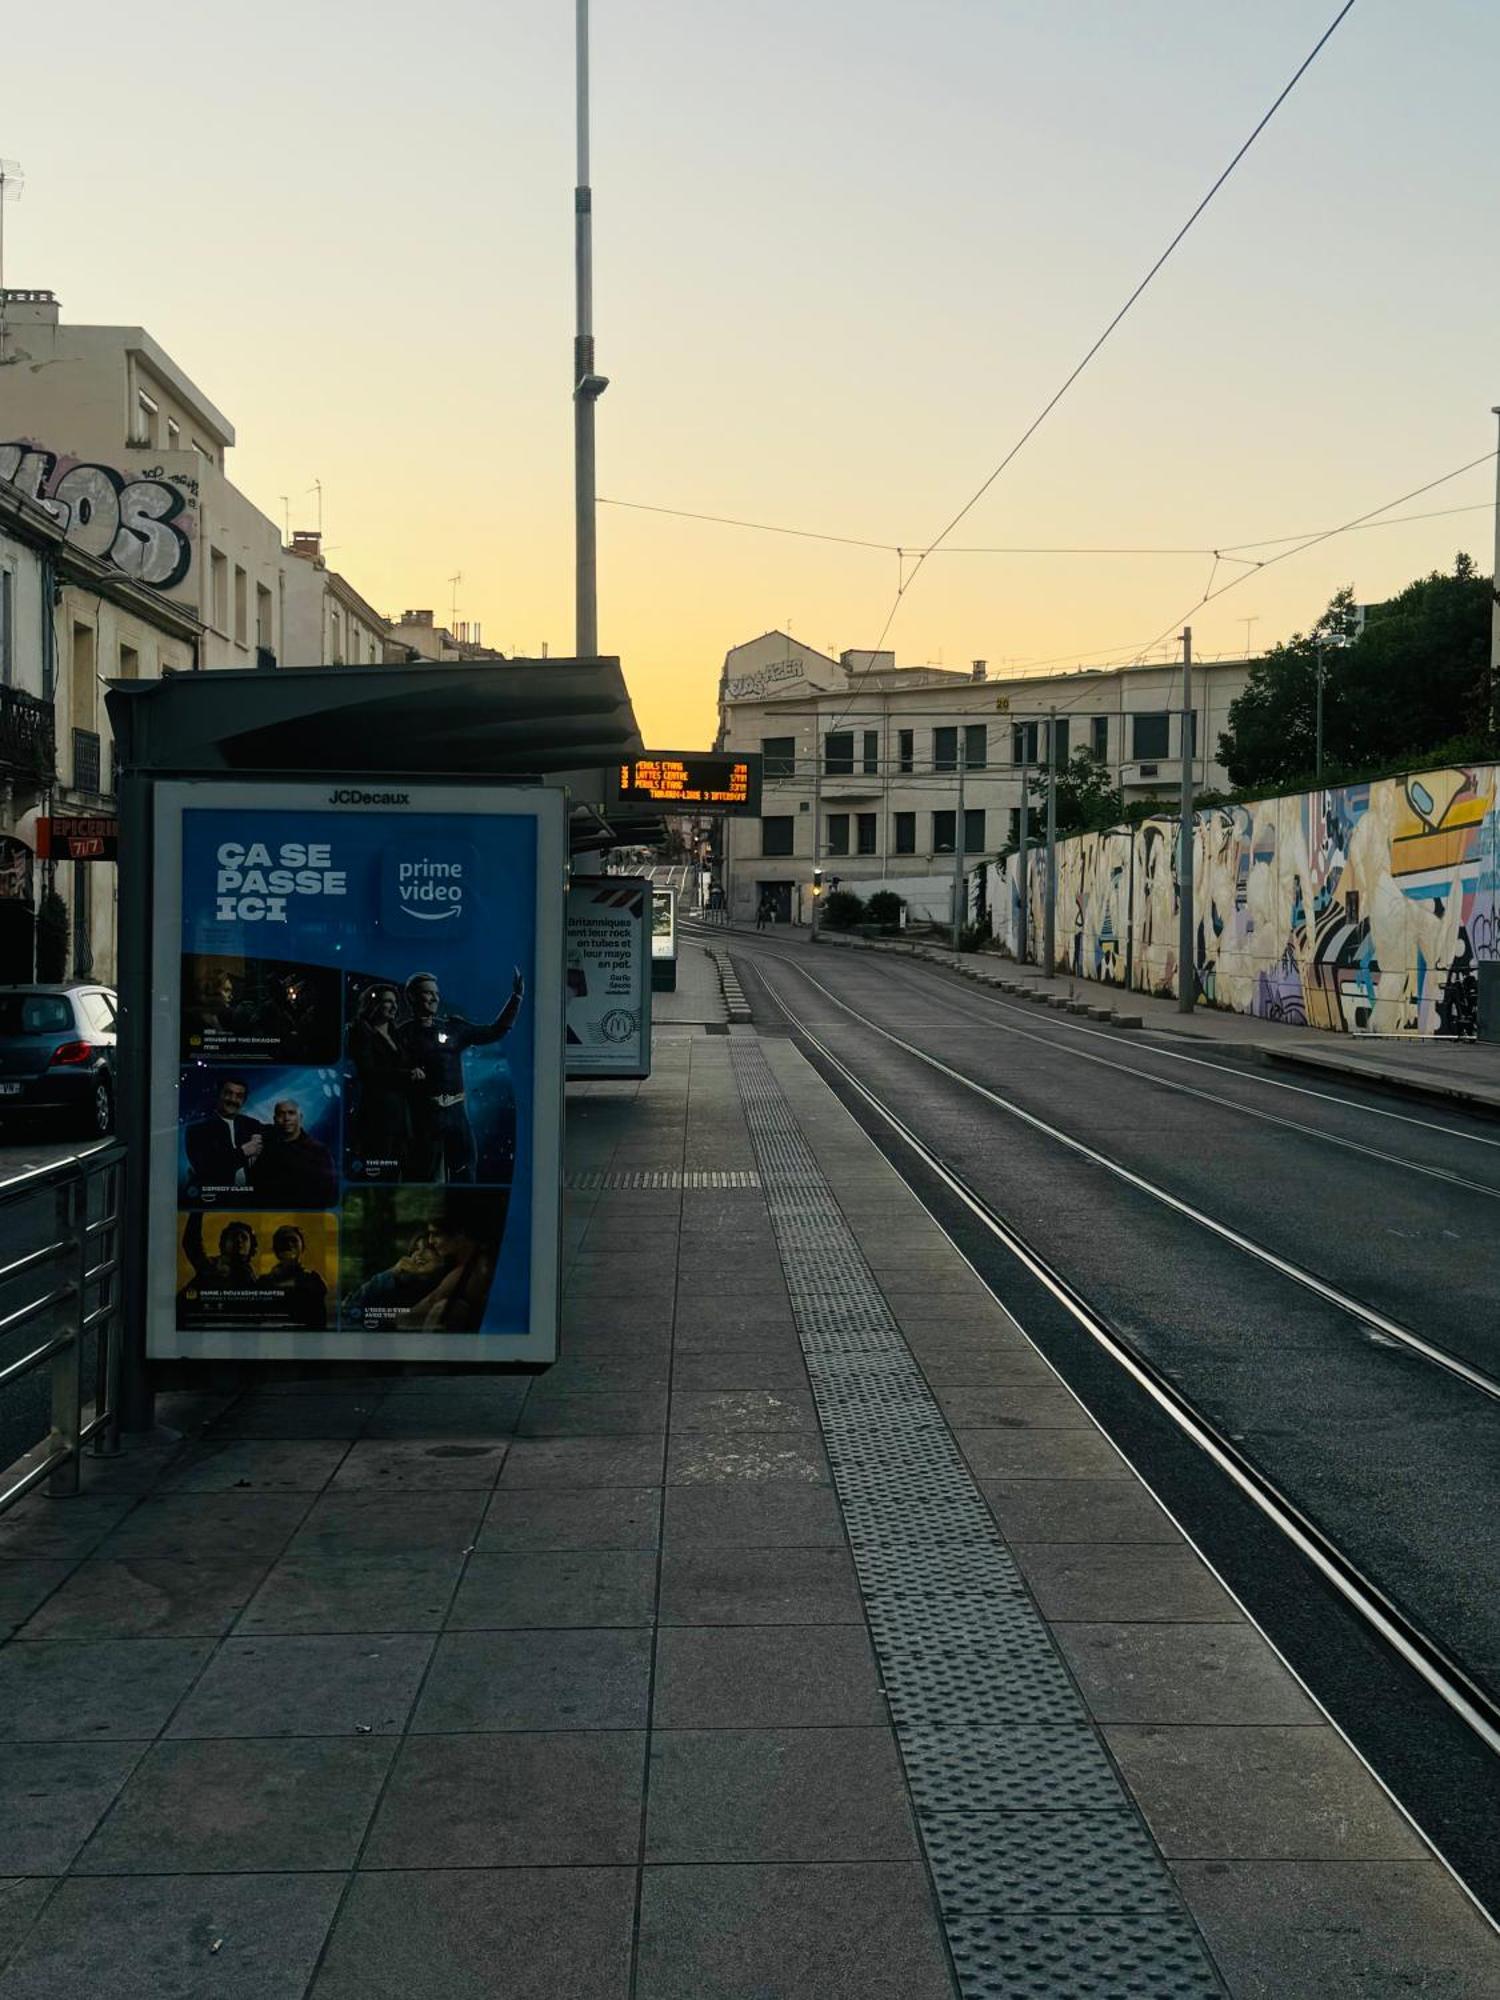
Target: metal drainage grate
666 1179
1049 1886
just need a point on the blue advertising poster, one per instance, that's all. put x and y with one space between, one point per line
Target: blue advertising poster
358 1036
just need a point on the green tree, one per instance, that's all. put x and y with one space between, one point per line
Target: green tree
1087 796
1272 732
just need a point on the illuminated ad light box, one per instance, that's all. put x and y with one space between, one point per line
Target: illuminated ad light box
664 923
607 1019
707 781
356 1073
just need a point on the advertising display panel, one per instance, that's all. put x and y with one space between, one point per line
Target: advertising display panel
608 1018
664 923
356 1071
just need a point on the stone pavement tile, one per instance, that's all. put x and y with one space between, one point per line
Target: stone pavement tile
778 1514
21 1899
147 1598
582 1587
1023 1406
743 1410
328 1685
295 1417
1077 1510
256 1465
52 1796
418 1465
533 1798
206 1527
602 1340
592 1517
575 1462
325 1379
26 1584
480 1934
975 1363
587 1413
719 1458
495 1392
625 1374
766 1677
995 1454
408 1591
1134 1581
242 1806
718 1586
777 1795
177 1937
433 1417
131 1471
1259 1793
850 1931
1342 1930
738 1368
365 1524
536 1680
81 1692
40 1526
1182 1674
747 1324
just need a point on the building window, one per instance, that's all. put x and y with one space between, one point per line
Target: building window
241 607
83 686
974 830
838 753
146 420
776 833
7 626
130 663
1148 735
86 770
174 435
906 744
944 832
945 749
1099 737
1061 749
871 752
264 632
780 755
218 585
1025 743
838 833
976 746
906 833
865 833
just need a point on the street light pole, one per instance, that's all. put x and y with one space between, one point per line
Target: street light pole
587 386
1495 600
1187 979
817 819
1318 752
1050 926
1023 870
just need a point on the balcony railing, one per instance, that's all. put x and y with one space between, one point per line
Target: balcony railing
28 737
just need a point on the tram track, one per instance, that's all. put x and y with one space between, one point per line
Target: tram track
1367 1315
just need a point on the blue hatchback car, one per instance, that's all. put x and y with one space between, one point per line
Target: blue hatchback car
57 1055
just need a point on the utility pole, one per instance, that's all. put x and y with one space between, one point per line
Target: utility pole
587 386
1050 928
959 898
1187 978
1495 600
817 818
1318 752
1023 861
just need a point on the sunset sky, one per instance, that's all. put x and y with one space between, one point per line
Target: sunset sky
843 256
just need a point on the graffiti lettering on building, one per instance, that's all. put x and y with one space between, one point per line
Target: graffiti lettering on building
137 524
757 683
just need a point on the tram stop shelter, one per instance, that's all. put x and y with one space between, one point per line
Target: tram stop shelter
541 724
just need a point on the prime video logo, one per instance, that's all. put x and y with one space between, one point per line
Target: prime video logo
426 884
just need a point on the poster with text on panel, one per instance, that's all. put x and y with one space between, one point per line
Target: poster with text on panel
607 1023
356 1070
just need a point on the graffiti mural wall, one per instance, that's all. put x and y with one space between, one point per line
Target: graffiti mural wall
1364 909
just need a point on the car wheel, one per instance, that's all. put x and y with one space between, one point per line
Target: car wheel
101 1112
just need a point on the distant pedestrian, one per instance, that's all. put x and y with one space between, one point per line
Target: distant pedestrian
763 913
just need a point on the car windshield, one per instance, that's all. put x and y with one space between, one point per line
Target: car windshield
34 1014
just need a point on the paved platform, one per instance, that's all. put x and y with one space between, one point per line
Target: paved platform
797 1637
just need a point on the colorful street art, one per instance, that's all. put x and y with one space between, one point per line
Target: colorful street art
1365 909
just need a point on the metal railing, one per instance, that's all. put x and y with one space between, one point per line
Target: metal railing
78 1268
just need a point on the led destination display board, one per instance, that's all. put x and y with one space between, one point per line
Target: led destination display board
713 781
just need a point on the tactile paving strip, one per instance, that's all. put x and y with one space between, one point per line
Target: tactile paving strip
619 1180
1048 1884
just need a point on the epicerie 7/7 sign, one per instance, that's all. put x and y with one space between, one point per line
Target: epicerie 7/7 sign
713 781
356 1071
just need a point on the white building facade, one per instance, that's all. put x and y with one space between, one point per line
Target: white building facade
901 778
327 622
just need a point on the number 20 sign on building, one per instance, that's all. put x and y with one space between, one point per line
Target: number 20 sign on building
356 1070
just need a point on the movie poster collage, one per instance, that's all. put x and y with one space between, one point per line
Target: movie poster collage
346 1146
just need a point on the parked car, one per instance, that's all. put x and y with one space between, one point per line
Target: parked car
57 1055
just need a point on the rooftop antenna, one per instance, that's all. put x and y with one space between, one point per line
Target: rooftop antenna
453 582
317 487
1253 619
12 181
